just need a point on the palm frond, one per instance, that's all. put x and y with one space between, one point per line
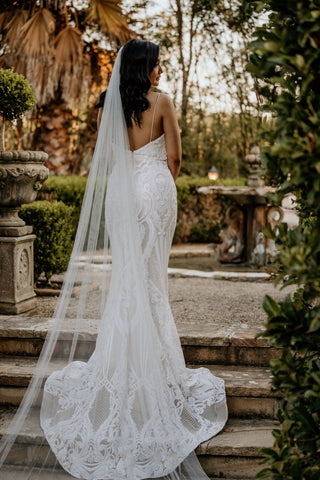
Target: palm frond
5 18
68 48
14 27
37 34
36 51
108 14
71 68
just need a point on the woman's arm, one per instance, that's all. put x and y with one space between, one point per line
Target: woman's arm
172 135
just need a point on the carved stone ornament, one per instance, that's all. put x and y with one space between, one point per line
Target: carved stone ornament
232 236
22 174
23 269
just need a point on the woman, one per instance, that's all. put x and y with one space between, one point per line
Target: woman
133 410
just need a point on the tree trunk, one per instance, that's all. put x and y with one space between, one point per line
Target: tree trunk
184 60
59 135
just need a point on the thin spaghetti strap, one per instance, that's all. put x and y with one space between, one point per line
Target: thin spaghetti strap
154 111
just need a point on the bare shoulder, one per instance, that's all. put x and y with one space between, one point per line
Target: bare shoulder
166 104
152 96
165 99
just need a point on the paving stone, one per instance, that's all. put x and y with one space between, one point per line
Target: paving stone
238 276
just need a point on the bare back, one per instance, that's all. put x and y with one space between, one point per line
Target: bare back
151 124
158 119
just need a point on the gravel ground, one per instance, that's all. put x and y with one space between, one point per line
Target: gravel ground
201 300
221 302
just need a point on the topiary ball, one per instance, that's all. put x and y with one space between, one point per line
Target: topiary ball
16 95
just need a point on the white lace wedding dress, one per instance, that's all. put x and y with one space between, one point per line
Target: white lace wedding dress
134 410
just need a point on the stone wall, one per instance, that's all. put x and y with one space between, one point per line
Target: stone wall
199 218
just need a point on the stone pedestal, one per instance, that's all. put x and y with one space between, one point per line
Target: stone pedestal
22 174
16 267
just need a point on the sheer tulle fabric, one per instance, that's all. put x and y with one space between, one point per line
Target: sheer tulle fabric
125 407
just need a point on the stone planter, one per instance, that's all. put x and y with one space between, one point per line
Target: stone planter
22 174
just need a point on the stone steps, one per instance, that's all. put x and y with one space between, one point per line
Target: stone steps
233 353
233 453
248 388
18 473
202 344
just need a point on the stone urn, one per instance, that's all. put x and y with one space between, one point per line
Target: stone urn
22 174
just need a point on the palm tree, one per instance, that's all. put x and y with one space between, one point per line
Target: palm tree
52 42
66 49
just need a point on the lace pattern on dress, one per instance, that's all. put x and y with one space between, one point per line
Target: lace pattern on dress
139 414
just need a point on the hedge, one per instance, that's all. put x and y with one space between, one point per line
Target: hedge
199 219
68 189
55 233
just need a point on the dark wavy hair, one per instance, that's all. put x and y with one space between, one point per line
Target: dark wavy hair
138 59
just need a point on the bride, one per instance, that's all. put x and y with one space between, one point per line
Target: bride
132 410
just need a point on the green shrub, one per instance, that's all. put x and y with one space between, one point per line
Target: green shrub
68 189
16 94
183 191
233 182
203 233
16 97
187 185
200 221
54 231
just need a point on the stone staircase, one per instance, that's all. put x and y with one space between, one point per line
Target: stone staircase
233 354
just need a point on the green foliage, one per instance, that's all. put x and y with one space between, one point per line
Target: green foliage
68 189
233 181
54 231
187 185
202 227
205 234
219 139
16 95
286 64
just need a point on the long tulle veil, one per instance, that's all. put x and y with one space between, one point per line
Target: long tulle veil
126 372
